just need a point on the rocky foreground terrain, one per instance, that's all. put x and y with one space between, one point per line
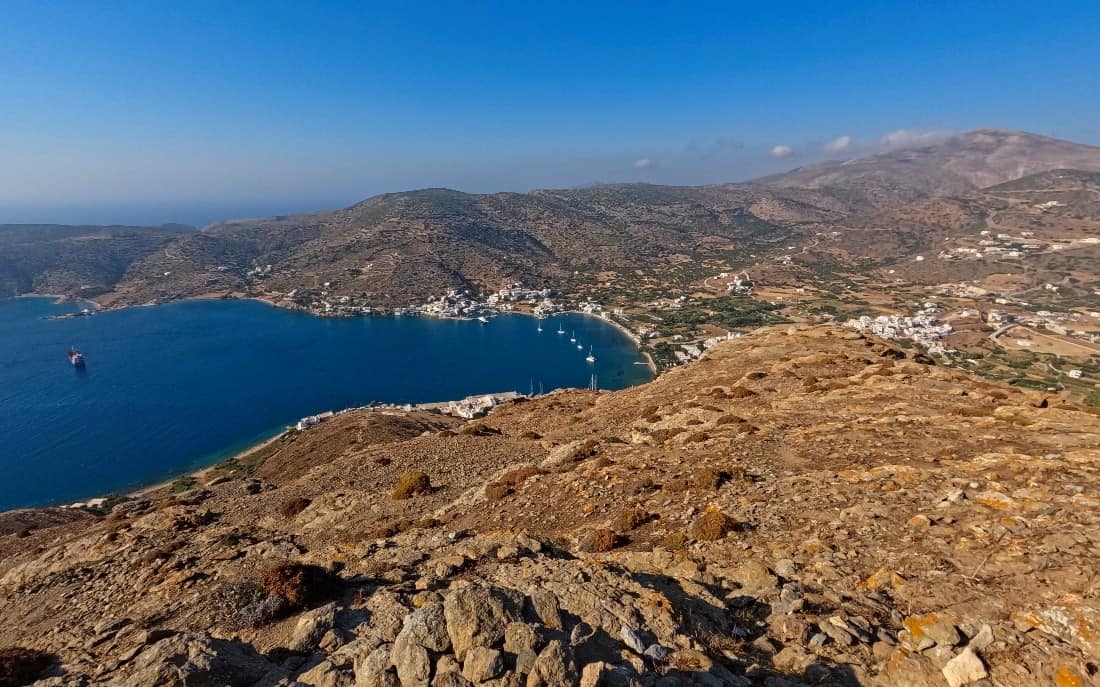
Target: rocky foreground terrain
801 506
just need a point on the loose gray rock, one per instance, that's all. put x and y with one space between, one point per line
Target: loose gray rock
196 659
414 666
375 669
311 627
964 669
520 636
632 639
476 615
482 664
554 667
427 627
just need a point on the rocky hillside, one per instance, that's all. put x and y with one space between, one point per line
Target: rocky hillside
77 261
401 248
962 163
802 506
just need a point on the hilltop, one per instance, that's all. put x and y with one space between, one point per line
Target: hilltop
805 505
956 166
615 242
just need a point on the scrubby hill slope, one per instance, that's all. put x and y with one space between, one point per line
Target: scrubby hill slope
962 163
78 261
801 506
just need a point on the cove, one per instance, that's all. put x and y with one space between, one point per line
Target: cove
175 387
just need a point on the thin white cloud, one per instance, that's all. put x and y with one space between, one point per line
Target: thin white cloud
644 163
911 138
781 151
838 145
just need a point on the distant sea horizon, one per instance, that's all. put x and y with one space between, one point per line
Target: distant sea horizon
172 388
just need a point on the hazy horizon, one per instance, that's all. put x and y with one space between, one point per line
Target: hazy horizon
138 114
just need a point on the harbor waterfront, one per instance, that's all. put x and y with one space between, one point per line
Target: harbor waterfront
175 387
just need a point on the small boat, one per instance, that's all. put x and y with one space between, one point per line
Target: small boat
573 337
560 330
482 319
76 357
591 358
539 329
580 347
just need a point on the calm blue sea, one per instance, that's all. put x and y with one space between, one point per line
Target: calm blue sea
174 387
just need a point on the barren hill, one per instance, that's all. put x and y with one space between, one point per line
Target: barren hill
800 506
79 261
397 249
969 161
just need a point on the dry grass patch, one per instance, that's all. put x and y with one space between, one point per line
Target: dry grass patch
712 526
631 518
601 540
293 506
412 483
297 583
676 542
20 666
509 482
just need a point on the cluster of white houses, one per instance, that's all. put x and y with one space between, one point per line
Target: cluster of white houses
925 330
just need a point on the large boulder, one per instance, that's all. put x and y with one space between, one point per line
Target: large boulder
427 627
311 627
554 667
185 660
477 615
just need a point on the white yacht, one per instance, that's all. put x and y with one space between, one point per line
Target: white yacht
591 358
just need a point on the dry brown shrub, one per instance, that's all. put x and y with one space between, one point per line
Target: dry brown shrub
972 411
495 491
631 517
663 435
298 583
741 392
387 530
530 434
697 437
601 540
293 506
677 541
478 429
20 666
412 483
383 461
729 420
707 478
603 462
589 449
514 478
712 526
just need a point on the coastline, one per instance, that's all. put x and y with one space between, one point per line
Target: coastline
100 308
201 472
203 467
631 335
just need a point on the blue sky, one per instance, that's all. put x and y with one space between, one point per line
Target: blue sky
153 112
